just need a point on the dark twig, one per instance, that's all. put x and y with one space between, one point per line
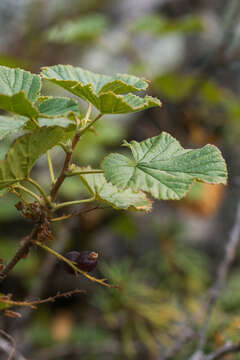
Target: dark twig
230 252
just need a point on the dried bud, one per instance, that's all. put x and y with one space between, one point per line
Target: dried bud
83 260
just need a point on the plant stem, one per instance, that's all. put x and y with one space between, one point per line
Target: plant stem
74 202
50 167
42 192
31 193
65 168
82 172
71 264
90 124
35 122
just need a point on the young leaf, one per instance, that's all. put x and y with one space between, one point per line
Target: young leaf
8 125
104 92
118 199
162 167
54 106
18 89
25 151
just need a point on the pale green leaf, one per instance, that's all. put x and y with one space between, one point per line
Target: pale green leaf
54 106
24 152
9 125
119 199
104 92
162 167
84 28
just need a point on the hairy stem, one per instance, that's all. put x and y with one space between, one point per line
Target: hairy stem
42 192
74 202
50 167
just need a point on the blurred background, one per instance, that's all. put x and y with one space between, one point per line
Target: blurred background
165 261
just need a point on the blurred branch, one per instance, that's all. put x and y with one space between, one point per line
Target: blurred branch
226 349
223 269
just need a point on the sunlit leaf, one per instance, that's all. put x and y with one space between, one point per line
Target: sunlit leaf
162 167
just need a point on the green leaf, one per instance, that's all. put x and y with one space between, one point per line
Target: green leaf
25 151
160 25
162 167
110 194
18 89
54 106
9 125
18 104
84 28
104 92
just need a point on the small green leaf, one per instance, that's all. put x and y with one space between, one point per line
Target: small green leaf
104 92
54 106
9 125
162 167
84 28
18 89
25 151
119 199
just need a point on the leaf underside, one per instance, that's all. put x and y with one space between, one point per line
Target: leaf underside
118 199
162 167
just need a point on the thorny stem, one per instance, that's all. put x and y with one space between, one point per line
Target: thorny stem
71 264
74 202
50 167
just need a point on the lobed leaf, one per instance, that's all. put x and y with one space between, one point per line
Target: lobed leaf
119 199
25 151
104 92
162 167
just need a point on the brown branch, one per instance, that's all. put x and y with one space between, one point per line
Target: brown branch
186 336
223 269
23 249
65 168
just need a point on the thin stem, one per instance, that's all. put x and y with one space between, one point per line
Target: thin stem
86 118
35 122
50 167
82 172
42 192
70 263
74 202
81 132
31 193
